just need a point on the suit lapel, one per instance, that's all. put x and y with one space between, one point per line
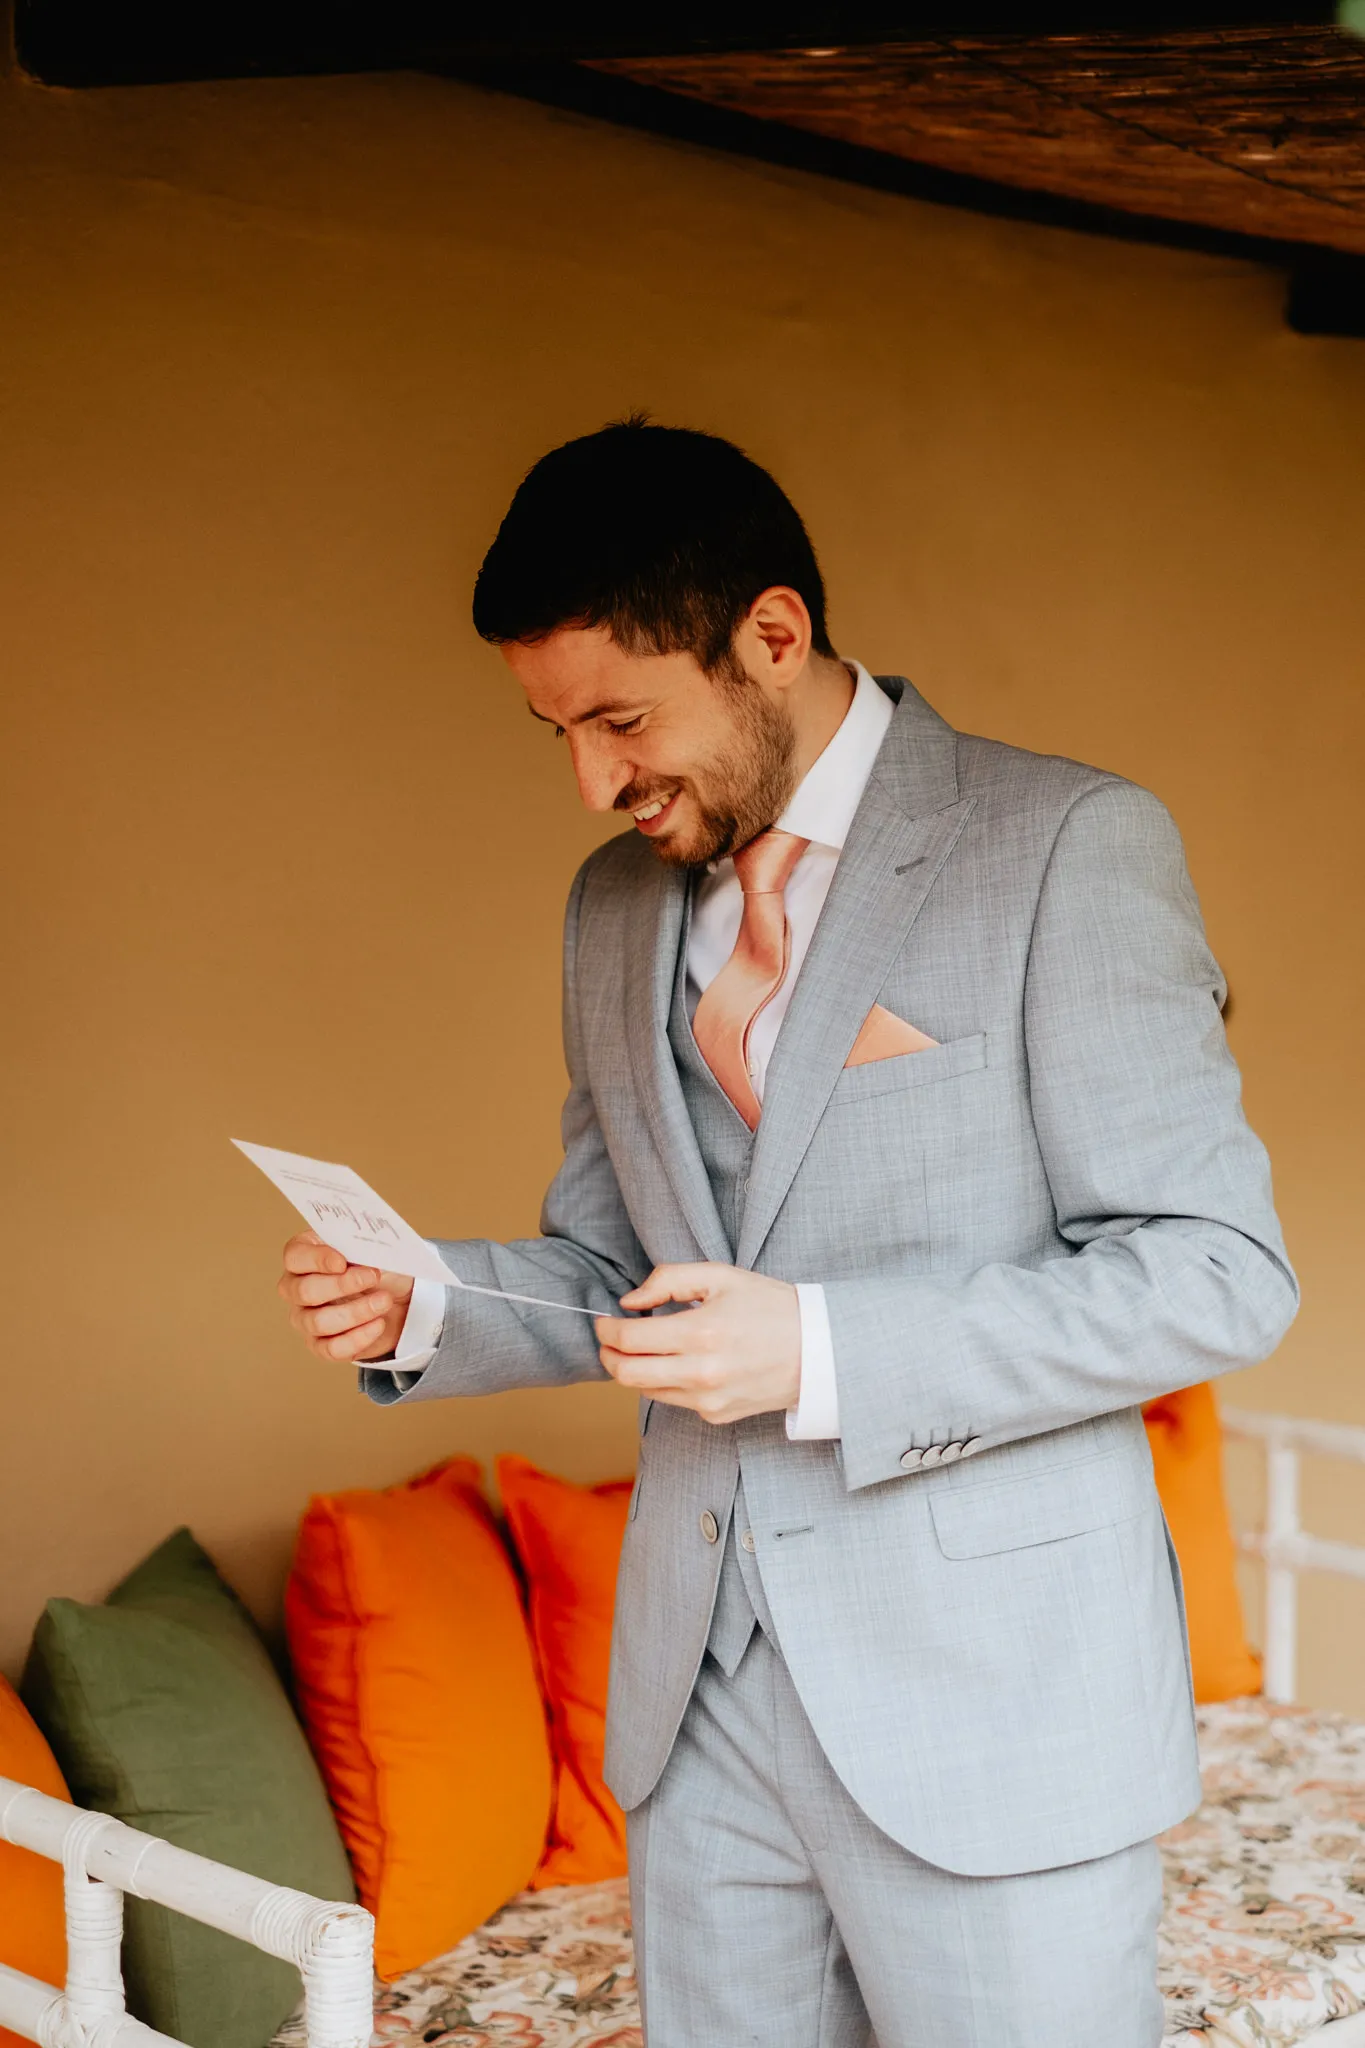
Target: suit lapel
652 939
904 830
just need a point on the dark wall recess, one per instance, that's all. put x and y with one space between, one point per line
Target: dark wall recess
1327 295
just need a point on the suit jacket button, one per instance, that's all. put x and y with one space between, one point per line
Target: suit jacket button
911 1461
747 1539
931 1456
972 1446
951 1453
710 1527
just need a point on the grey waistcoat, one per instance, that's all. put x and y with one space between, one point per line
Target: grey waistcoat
726 1146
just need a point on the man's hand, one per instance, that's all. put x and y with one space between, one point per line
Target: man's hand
737 1352
342 1311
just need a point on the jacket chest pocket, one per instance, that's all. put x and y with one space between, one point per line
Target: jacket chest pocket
884 1125
905 1071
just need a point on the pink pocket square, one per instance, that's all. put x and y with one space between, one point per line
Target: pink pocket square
883 1036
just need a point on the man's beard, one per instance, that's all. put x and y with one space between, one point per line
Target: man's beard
743 792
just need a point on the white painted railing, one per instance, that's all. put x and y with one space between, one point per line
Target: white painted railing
1283 1545
331 1945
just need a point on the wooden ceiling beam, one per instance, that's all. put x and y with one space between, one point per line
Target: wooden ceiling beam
86 43
1257 131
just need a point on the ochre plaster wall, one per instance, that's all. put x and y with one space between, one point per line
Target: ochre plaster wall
286 857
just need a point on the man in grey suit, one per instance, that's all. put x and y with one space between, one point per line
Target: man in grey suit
899 1086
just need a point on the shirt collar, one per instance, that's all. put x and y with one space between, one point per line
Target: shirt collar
823 805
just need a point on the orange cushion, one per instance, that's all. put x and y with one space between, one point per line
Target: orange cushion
569 1541
32 1923
1187 1451
417 1686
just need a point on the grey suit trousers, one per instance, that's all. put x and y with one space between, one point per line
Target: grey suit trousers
770 1912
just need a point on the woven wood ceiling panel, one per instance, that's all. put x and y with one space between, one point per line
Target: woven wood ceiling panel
1257 130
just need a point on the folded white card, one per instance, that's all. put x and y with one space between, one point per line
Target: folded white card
349 1216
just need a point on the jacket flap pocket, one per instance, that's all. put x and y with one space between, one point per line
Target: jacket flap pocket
980 1519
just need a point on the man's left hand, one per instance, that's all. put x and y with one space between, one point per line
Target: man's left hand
736 1352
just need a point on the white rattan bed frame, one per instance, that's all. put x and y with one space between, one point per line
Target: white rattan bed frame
1286 1549
332 1945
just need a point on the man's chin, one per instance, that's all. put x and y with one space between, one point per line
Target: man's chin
680 850
685 841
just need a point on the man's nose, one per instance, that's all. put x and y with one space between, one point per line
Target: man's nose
600 778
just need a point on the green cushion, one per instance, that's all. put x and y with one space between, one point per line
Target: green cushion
163 1707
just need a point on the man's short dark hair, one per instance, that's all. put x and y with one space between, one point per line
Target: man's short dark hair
663 535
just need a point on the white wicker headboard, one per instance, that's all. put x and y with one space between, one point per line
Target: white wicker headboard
1283 1546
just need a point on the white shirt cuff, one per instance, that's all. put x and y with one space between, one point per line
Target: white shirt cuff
420 1334
816 1414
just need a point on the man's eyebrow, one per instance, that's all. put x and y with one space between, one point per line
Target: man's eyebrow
584 717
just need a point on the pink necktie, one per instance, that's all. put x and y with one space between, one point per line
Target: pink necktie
754 972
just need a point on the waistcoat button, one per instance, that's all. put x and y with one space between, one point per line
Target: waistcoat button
747 1539
710 1527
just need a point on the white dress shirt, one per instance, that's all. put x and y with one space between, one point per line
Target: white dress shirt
821 811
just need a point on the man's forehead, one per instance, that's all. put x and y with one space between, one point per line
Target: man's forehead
580 673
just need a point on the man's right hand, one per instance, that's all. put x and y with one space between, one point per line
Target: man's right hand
342 1311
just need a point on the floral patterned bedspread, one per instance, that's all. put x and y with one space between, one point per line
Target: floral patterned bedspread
1263 1939
553 1969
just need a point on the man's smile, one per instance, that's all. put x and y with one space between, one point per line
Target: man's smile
650 817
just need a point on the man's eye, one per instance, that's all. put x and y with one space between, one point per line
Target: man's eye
559 732
627 725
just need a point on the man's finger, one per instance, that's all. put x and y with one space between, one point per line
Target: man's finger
674 1283
647 1374
352 1343
341 1316
310 1290
661 1336
306 1253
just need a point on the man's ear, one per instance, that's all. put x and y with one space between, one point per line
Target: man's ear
773 639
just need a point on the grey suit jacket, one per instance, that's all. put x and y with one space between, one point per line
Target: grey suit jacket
1055 1214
